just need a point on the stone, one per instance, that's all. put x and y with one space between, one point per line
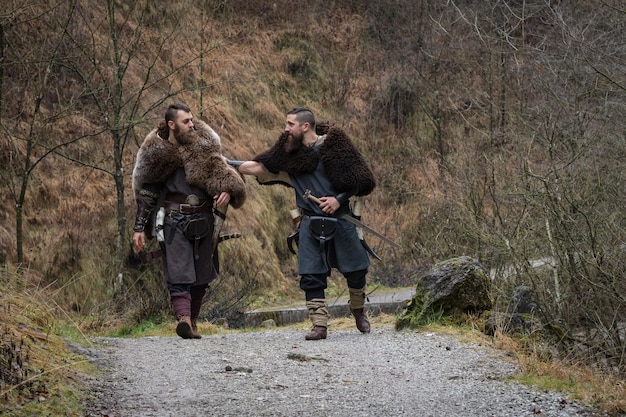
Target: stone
451 288
268 324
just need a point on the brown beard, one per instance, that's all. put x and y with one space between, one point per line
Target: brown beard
293 143
183 138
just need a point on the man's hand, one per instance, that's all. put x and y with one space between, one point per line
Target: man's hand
222 199
329 205
139 239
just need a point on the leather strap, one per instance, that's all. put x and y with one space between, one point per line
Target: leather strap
188 209
180 198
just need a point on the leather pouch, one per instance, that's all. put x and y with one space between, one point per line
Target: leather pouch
195 226
323 228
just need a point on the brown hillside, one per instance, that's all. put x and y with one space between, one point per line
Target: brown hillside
494 130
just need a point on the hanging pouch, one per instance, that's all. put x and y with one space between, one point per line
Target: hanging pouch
323 228
195 226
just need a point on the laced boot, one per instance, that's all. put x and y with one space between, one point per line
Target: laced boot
357 302
194 329
183 329
318 313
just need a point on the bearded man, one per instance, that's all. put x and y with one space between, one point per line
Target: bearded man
181 163
326 163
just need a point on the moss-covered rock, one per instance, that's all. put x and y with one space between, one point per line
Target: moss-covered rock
451 288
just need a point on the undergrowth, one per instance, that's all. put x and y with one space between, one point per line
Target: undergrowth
39 373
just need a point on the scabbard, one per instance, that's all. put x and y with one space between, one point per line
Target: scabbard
370 250
291 239
154 254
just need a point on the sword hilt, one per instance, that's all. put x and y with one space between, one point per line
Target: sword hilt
308 196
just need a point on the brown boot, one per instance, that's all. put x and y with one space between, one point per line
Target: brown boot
362 323
318 313
316 333
194 330
183 329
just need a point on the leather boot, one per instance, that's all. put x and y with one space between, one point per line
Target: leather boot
362 323
183 329
194 330
357 302
181 303
318 313
316 333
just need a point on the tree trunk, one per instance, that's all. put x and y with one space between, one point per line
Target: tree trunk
121 205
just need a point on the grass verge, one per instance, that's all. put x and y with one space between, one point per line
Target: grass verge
40 373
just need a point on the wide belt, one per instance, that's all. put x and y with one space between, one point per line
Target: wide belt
183 208
345 209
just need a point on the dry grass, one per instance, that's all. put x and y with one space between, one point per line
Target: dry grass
40 375
582 383
342 61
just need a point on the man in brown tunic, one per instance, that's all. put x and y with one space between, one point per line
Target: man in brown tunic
181 161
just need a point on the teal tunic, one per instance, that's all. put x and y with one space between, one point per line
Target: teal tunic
345 251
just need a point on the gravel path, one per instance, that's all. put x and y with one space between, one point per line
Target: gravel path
278 373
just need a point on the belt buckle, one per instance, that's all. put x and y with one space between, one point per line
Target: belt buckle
186 209
191 205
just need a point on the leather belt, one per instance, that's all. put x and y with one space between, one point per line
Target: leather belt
188 208
342 210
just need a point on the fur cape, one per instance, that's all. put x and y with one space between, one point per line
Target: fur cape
200 153
345 166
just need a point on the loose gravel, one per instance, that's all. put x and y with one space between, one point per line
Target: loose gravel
278 373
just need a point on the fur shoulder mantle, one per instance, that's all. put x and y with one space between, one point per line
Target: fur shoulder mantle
200 153
346 168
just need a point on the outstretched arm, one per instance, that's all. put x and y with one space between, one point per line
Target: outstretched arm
262 174
252 168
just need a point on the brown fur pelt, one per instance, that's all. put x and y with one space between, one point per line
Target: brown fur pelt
200 153
346 168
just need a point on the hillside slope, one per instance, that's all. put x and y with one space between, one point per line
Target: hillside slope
493 130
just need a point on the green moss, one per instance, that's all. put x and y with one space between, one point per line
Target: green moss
144 328
416 313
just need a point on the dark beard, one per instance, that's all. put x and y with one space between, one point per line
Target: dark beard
294 143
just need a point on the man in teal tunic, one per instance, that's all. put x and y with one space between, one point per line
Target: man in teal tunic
325 162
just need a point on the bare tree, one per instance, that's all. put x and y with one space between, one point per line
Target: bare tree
35 103
552 189
142 35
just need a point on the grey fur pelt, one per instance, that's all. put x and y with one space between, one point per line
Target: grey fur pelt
200 153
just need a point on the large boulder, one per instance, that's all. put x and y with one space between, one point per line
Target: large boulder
451 288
